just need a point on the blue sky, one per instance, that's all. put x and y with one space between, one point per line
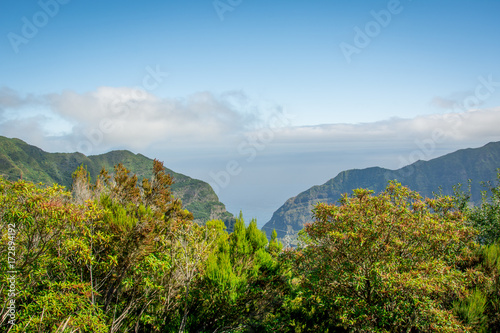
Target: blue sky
287 93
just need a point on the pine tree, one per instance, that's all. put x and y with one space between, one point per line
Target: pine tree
275 246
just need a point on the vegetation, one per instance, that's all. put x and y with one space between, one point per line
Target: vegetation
486 217
121 254
19 160
388 263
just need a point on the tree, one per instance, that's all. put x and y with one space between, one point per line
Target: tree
52 289
121 255
275 246
195 245
387 263
239 244
491 266
481 310
115 256
256 238
151 254
486 217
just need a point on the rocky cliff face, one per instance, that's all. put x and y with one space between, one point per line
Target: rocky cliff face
425 177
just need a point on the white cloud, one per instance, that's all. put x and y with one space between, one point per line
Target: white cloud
125 117
29 129
110 118
470 125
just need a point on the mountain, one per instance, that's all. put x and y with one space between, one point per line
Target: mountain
425 177
19 159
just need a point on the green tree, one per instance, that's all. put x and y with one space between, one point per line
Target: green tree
490 265
482 308
52 285
256 238
122 255
472 311
114 256
387 263
275 246
153 253
242 286
486 217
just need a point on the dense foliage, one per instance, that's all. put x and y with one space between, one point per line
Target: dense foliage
390 262
120 254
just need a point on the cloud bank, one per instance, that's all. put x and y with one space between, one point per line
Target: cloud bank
110 118
123 117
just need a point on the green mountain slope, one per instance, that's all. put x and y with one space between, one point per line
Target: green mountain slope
426 177
17 158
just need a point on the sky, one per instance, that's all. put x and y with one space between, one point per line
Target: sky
260 99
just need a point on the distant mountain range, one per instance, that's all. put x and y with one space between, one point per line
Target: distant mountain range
19 159
426 177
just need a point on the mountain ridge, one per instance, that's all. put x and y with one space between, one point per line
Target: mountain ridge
426 177
19 159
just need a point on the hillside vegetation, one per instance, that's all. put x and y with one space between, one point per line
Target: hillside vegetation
118 254
21 160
